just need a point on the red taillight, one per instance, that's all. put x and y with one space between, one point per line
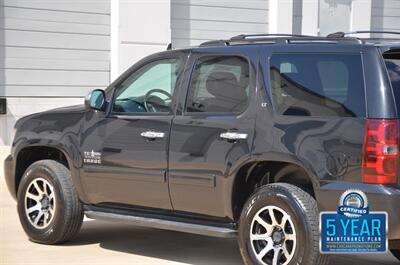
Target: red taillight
381 151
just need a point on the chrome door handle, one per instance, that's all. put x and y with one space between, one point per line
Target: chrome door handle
152 134
233 136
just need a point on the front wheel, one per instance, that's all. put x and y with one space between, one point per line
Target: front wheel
48 206
279 226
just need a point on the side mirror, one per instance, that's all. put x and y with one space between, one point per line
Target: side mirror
95 100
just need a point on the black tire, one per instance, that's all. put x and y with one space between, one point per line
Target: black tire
303 211
68 214
396 253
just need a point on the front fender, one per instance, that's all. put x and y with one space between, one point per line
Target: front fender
60 131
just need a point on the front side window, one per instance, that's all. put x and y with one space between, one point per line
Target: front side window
149 89
318 85
219 85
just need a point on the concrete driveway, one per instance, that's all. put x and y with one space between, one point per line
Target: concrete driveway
113 243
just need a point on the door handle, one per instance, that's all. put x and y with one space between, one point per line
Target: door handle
152 134
233 136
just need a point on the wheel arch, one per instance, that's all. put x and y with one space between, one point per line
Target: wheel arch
28 154
254 174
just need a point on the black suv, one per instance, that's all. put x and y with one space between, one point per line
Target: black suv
249 137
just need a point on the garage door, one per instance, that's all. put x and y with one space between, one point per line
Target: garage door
385 16
54 48
196 21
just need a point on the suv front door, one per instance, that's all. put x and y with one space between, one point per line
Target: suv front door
131 142
214 133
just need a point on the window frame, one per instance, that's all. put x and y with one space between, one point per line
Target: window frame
394 53
195 62
112 113
269 86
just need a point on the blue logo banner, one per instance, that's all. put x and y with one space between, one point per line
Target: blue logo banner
342 234
353 228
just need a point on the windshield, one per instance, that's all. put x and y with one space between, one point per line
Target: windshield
392 61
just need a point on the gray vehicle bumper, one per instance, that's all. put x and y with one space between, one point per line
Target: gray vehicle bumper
9 175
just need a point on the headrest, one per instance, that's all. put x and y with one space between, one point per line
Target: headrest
225 84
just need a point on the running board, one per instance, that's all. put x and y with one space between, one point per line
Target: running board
198 229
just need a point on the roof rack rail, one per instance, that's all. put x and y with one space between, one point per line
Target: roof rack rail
248 36
214 43
279 38
344 34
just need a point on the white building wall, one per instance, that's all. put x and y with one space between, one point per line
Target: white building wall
281 16
197 21
319 17
385 15
310 17
52 53
144 27
361 15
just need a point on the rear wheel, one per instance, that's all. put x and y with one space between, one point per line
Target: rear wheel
396 253
48 206
279 226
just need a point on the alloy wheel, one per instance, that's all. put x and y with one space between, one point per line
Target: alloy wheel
273 236
40 203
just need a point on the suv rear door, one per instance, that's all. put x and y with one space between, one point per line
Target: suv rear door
213 133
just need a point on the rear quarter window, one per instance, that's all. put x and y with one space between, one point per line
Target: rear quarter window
392 61
318 85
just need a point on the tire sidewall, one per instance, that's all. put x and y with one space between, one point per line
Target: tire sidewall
50 233
279 197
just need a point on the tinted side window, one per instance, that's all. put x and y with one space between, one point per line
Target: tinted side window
318 85
219 85
392 61
148 89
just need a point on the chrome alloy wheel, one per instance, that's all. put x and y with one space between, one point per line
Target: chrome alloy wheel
273 236
40 203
